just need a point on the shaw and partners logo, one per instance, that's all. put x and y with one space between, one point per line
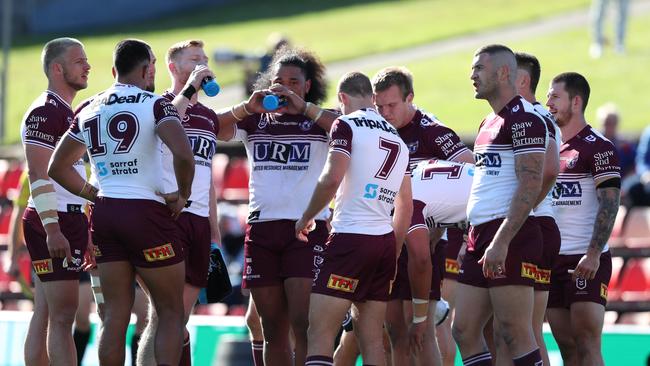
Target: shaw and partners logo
488 160
295 152
567 189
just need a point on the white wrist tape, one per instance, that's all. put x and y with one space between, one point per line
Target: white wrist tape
419 301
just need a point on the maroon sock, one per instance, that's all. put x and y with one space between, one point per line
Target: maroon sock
258 353
186 354
319 361
533 358
479 359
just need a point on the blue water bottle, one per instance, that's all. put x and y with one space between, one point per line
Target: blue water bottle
272 102
210 87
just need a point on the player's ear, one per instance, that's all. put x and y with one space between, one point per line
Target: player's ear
172 68
409 97
114 72
145 70
307 86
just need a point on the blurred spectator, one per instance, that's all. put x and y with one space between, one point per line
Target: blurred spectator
608 118
598 14
232 237
275 41
637 187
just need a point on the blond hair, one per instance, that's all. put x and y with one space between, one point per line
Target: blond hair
177 48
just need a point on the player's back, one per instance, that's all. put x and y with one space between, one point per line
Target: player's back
118 127
443 187
378 163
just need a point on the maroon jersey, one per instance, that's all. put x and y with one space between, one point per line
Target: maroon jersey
584 158
427 138
45 122
202 127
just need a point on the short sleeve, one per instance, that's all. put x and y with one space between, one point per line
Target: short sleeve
164 111
604 162
528 134
341 137
417 220
75 131
44 126
445 143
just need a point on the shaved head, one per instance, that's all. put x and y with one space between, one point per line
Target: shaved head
501 56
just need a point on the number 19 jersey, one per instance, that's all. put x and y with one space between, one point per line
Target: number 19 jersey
378 162
118 126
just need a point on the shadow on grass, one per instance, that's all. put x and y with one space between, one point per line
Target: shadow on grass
231 12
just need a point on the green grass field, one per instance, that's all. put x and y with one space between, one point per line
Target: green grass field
442 85
335 29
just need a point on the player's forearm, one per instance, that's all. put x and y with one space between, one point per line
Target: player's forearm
419 263
184 171
181 103
323 194
14 230
215 233
529 184
608 203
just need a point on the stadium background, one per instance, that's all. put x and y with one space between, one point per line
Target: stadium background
435 39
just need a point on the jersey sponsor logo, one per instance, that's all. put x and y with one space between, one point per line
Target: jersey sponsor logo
203 147
115 99
451 266
159 253
340 283
528 270
603 291
372 124
590 138
426 121
254 215
515 109
43 266
371 191
295 152
543 276
488 160
340 142
602 160
567 189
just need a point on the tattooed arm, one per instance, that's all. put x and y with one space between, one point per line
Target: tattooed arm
528 168
608 202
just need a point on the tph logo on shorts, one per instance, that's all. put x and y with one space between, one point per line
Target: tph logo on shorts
528 270
543 276
581 283
451 266
96 251
43 266
159 253
341 283
603 291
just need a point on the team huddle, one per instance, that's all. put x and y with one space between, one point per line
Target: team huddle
508 235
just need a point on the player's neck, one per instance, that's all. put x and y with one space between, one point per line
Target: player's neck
131 80
63 90
575 125
501 97
530 97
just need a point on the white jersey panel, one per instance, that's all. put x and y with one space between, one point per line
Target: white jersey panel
378 162
118 127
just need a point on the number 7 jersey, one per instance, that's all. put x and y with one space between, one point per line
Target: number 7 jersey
378 162
118 127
